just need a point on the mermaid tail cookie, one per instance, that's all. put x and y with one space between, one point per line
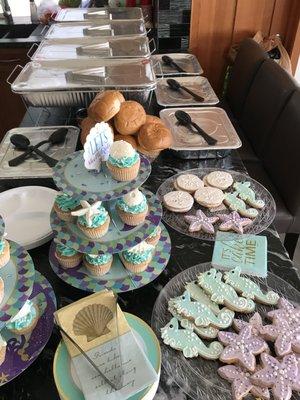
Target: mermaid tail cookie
198 294
245 192
248 288
188 342
200 313
222 293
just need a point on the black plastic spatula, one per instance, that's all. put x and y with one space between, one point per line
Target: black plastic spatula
171 63
175 85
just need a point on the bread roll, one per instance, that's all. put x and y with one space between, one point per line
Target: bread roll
86 125
154 136
127 138
153 119
130 118
105 105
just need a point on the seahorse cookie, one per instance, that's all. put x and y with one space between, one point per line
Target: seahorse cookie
248 288
222 293
188 183
188 342
201 314
236 204
209 197
245 192
178 201
218 179
198 294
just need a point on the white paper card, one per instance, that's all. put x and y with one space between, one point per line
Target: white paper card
138 372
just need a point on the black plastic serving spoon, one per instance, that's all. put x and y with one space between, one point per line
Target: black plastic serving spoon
185 119
171 63
175 85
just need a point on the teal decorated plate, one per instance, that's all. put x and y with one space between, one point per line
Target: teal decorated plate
18 277
72 178
118 279
119 236
67 382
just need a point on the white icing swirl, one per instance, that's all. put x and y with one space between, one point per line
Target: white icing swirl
120 149
133 198
141 248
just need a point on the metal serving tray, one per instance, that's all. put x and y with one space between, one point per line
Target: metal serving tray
105 28
111 13
168 97
188 62
212 120
34 167
78 48
76 82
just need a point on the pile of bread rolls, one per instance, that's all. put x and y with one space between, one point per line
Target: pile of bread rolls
129 121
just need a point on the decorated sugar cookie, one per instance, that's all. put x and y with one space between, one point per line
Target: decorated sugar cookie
188 342
233 222
236 204
248 288
245 192
218 179
198 294
209 196
222 293
255 322
241 348
208 332
201 314
188 182
241 383
178 201
285 311
280 376
200 222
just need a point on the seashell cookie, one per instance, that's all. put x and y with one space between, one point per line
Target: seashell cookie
178 201
209 197
218 179
188 183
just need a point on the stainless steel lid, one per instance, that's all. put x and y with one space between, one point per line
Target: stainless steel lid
212 120
188 62
93 47
85 74
103 28
111 13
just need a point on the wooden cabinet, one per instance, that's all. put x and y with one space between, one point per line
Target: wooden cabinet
12 108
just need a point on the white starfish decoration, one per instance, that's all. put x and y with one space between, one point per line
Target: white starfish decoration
88 210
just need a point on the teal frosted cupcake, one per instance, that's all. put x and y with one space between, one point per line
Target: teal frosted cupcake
67 257
98 264
64 205
123 161
138 257
26 319
155 236
132 208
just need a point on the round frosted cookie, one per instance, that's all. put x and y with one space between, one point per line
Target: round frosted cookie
178 201
209 196
188 182
218 179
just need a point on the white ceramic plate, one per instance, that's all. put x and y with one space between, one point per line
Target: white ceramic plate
26 213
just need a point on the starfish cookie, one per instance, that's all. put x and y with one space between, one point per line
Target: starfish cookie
285 311
200 222
88 210
234 222
281 376
241 348
241 383
255 322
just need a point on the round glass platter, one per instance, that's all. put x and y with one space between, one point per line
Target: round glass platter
72 178
22 350
176 220
198 377
118 279
119 236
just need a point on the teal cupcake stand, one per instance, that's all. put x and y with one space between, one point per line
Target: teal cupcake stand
72 178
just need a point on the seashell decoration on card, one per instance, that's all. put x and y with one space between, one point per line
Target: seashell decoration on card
92 321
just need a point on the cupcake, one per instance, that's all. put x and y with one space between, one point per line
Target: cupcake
154 237
132 208
67 257
64 205
93 219
26 319
123 161
4 252
2 350
138 257
98 264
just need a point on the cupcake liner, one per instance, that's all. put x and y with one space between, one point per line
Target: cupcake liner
98 270
95 233
2 354
63 215
124 174
28 328
69 261
135 267
132 219
5 256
